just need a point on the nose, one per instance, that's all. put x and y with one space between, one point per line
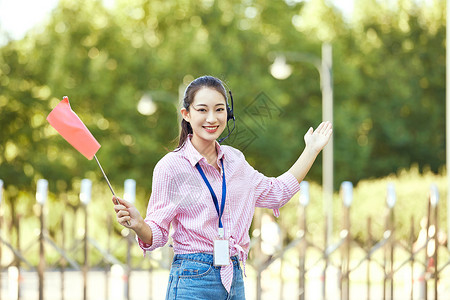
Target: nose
211 118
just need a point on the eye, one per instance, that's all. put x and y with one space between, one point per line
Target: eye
220 109
200 109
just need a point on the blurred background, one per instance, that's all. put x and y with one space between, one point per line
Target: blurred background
125 65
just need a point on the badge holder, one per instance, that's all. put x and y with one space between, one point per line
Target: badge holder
221 250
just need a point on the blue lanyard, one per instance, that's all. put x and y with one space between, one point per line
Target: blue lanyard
224 192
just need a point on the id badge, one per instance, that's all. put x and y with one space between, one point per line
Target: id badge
221 253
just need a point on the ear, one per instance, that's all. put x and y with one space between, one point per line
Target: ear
185 114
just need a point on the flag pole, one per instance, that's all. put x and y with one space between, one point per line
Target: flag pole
109 184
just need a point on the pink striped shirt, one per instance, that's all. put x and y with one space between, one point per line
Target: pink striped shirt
180 197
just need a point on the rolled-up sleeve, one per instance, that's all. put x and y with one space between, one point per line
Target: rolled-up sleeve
274 192
161 208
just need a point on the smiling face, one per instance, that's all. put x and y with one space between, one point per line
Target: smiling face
207 115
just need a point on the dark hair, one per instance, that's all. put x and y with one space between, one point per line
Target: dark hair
189 94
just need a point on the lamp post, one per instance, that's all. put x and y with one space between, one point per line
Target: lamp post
447 108
324 65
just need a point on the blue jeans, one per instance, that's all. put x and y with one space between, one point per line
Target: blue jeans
193 276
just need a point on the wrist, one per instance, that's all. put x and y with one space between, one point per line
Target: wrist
312 151
139 225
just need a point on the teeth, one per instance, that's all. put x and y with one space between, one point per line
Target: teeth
211 127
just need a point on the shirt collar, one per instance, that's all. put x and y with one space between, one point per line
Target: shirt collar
193 155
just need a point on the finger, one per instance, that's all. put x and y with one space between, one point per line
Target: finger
124 221
122 213
329 128
325 127
120 201
115 200
321 127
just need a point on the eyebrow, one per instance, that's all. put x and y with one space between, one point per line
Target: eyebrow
218 104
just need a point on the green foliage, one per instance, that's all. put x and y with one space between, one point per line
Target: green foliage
389 90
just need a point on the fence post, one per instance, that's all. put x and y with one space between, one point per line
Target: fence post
347 198
304 201
85 197
257 252
108 249
41 198
130 196
326 259
18 248
434 200
63 247
1 244
391 199
369 258
411 253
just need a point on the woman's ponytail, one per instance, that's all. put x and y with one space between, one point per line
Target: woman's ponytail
186 129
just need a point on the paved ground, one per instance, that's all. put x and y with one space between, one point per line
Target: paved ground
143 284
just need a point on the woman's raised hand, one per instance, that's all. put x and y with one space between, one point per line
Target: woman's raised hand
317 139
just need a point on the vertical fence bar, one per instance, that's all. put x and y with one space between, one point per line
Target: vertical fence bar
19 276
41 198
85 252
150 281
1 244
347 198
324 272
281 292
257 253
258 284
369 258
434 200
108 249
130 196
427 258
385 264
85 197
411 255
304 201
391 199
63 247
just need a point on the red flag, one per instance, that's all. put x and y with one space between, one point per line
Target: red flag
72 129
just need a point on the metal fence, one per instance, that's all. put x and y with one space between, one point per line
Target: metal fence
342 270
423 261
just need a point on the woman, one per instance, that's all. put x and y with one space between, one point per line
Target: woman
208 193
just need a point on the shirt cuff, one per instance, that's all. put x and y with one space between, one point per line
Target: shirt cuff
157 238
291 183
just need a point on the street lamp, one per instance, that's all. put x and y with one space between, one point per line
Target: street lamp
281 70
147 104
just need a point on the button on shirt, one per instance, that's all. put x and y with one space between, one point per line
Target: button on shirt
180 197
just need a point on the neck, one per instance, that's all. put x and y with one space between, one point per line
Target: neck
206 148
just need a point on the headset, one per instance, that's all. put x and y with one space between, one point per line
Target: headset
230 116
230 113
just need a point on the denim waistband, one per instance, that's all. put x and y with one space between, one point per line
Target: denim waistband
202 257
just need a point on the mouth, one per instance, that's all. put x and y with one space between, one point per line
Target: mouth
211 129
